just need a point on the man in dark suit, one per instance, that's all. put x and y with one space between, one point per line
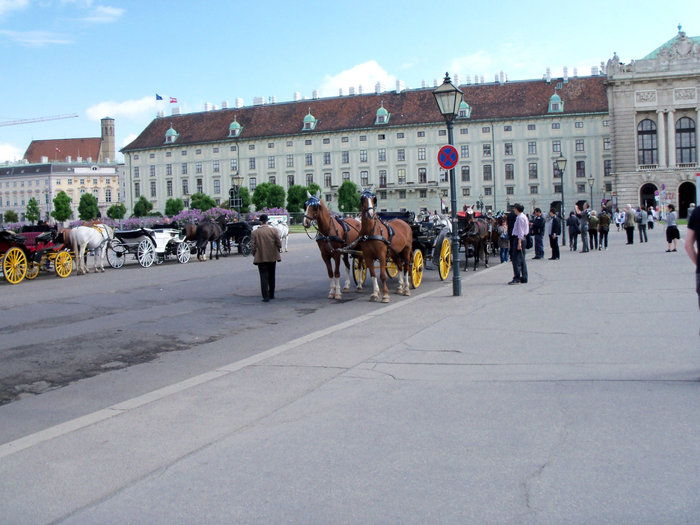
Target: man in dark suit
554 231
265 245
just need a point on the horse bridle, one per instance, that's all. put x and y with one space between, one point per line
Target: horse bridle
371 197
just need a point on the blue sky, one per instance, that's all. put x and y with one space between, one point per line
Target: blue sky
110 58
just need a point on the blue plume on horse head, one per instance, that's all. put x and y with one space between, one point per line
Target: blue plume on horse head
313 200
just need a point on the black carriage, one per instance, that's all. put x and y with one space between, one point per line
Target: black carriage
237 234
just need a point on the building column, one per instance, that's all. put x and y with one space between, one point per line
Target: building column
661 137
671 139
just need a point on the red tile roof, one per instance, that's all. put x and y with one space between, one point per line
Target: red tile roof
413 107
59 149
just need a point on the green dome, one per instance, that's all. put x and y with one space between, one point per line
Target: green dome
309 117
382 111
171 132
234 125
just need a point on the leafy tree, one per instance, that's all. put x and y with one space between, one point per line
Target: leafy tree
142 207
245 199
348 197
260 195
61 207
313 189
296 196
276 197
116 211
11 216
202 202
173 206
87 207
32 214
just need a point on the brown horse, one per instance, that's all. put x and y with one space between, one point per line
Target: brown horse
379 240
476 233
333 235
208 231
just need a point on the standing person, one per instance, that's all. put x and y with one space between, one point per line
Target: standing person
593 222
265 245
517 245
629 223
503 240
553 231
603 229
672 233
617 217
692 245
572 224
642 224
650 218
583 216
538 224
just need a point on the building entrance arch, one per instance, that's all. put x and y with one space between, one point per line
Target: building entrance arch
647 195
686 197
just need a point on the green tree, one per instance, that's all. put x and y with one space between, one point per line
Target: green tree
314 189
87 207
32 214
348 197
296 196
173 206
116 211
142 207
276 197
202 202
245 199
61 207
11 216
260 195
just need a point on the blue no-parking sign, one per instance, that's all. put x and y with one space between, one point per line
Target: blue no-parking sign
448 157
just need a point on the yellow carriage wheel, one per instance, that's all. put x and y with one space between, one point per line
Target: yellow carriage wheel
417 268
445 259
14 265
32 270
391 269
63 264
359 270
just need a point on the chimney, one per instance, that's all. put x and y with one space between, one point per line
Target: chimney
175 111
469 79
258 101
575 72
207 106
594 71
297 96
69 159
400 86
548 75
224 104
456 81
352 90
566 74
239 102
378 88
44 160
359 89
502 77
340 92
314 94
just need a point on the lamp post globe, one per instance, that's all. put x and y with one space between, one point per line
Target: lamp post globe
591 181
448 98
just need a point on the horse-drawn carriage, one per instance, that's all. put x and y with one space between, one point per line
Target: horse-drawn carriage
239 234
148 245
25 255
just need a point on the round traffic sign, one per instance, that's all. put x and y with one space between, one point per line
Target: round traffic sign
448 157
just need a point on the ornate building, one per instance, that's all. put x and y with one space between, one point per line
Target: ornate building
654 112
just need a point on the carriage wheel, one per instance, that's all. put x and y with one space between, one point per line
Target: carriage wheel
445 258
146 253
14 265
391 269
63 263
116 254
245 245
183 252
225 243
417 269
359 271
32 270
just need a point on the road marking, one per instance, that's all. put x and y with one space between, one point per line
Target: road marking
23 443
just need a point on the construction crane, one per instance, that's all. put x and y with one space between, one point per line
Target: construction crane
38 119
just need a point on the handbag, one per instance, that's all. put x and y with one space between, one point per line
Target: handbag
528 241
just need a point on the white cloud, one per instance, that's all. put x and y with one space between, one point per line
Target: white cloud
10 152
129 109
12 5
34 38
103 14
128 140
365 75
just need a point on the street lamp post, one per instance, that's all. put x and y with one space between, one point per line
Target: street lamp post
591 181
235 193
561 166
448 98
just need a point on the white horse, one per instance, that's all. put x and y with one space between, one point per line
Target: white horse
90 237
282 230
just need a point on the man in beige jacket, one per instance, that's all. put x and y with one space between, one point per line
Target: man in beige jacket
265 245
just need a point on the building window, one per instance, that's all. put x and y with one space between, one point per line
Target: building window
168 169
578 124
486 129
363 155
466 176
442 133
382 178
233 148
581 188
200 186
402 194
108 195
198 152
169 188
608 186
252 183
234 165
198 167
153 189
309 159
183 170
556 146
327 180
534 190
381 136
183 153
401 155
507 128
271 162
345 157
579 145
270 145
326 158
443 175
422 194
580 169
136 174
488 191
607 168
185 187
346 175
531 127
364 178
326 141
290 161
508 148
421 153
487 172
309 179
307 142
290 143
137 191
685 141
382 195
557 188
463 131
401 176
399 135
510 190
272 179
363 138
420 134
251 147
532 148
329 197
422 176
606 143
606 123
510 171
486 150
381 154
290 181
152 170
532 171
217 186
215 150
555 125
251 163
465 151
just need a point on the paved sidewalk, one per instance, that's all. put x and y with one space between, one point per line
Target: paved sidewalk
571 399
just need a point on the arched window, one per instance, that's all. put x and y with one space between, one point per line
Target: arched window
646 142
685 140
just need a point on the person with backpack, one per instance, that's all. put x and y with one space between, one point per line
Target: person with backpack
603 229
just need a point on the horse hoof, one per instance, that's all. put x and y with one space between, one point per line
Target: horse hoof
373 298
385 299
338 296
331 295
407 293
346 289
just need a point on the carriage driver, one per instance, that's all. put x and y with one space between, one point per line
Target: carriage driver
265 245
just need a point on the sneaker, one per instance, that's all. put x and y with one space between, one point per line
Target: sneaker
514 281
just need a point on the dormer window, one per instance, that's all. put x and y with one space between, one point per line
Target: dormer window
556 104
171 135
234 130
382 115
465 110
309 122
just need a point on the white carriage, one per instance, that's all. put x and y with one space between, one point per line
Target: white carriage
148 245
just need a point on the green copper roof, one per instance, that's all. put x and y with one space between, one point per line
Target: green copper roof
669 44
235 124
171 132
309 117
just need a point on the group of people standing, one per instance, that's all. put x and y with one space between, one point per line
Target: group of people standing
591 226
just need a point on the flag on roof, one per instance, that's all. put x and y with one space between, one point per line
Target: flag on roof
173 100
158 97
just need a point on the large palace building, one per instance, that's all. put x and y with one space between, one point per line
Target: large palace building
626 133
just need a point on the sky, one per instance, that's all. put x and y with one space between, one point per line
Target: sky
110 58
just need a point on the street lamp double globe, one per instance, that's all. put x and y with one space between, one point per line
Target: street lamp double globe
448 98
561 166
